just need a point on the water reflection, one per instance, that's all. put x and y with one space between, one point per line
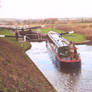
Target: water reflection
70 73
72 80
65 78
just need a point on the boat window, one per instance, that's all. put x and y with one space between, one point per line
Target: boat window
63 51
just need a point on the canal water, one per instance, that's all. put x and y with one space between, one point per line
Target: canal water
77 79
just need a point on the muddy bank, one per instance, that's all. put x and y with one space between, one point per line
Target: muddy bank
18 73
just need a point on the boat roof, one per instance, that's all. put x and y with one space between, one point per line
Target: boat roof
57 39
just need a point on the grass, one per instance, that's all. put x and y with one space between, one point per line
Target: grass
7 90
71 37
6 32
23 45
17 70
45 31
82 28
75 37
4 89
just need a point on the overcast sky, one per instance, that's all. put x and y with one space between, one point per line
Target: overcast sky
35 9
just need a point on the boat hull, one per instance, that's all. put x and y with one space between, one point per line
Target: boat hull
60 59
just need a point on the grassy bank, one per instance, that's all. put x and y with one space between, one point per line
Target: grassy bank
75 37
6 32
17 72
45 31
82 28
22 45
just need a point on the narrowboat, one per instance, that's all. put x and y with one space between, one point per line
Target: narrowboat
60 47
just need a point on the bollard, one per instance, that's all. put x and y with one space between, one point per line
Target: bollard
2 35
24 38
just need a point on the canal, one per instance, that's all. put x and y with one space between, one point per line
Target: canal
78 79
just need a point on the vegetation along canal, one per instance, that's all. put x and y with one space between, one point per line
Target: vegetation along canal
64 80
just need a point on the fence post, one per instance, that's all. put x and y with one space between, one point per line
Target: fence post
16 34
24 38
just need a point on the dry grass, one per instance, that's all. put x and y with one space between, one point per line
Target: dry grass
82 28
18 73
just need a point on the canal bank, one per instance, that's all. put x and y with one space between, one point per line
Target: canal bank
17 72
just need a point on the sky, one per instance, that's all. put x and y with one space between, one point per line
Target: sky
40 9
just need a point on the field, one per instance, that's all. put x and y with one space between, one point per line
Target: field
6 32
22 45
79 25
75 37
80 28
83 31
17 72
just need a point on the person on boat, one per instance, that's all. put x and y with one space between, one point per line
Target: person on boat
72 50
